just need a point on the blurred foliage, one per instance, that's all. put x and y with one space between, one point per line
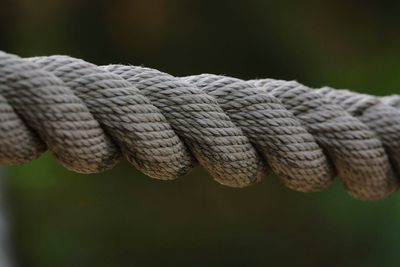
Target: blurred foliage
121 218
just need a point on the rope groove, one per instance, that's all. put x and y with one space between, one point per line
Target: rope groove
89 116
288 148
358 155
142 133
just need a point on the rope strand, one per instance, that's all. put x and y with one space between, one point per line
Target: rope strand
239 131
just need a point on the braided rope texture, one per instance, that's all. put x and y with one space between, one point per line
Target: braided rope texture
90 116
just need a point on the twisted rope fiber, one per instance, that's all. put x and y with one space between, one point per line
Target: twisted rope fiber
89 116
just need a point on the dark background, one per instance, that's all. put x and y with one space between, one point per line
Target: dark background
122 218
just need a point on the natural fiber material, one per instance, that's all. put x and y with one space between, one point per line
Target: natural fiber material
382 119
286 146
237 130
217 143
52 111
358 155
138 128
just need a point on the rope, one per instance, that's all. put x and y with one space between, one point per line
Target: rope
90 116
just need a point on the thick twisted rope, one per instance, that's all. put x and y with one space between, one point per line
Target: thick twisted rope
89 116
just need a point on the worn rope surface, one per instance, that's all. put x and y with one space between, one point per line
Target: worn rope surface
89 116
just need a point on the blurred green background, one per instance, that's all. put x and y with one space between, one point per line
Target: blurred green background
122 218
